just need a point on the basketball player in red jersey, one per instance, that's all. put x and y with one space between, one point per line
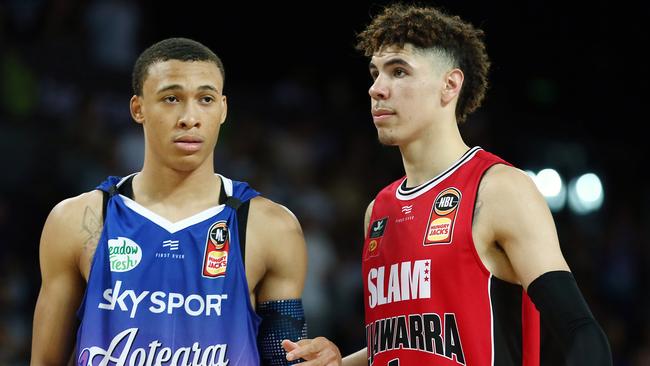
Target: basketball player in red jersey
461 260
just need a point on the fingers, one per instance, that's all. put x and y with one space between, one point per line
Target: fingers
325 358
296 350
317 352
288 345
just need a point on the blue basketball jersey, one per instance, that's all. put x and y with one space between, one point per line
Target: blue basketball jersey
163 293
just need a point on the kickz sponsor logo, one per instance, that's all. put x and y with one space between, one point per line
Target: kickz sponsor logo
161 302
120 352
124 254
406 281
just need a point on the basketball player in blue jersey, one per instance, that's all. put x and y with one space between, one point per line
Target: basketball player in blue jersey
172 265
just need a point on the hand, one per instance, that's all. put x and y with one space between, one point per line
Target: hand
319 351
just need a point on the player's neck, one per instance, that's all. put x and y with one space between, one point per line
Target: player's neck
431 154
163 185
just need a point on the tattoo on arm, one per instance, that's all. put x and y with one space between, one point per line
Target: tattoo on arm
478 204
477 209
91 225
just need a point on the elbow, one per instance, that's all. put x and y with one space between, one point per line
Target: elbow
588 345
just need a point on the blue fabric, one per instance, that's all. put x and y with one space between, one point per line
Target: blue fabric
170 294
282 319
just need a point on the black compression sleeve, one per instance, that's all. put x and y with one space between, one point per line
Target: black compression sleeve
563 308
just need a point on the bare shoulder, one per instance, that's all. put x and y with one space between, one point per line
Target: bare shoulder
366 219
74 225
276 259
507 197
505 183
273 229
266 216
519 220
74 213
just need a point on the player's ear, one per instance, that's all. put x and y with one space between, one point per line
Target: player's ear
453 82
136 109
224 110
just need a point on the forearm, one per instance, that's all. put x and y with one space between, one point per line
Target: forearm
588 346
359 358
281 319
562 306
52 335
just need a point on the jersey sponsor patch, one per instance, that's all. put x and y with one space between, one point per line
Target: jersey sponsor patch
215 259
410 280
440 228
377 229
159 302
124 254
123 351
432 334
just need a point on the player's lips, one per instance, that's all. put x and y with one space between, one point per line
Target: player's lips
188 143
380 114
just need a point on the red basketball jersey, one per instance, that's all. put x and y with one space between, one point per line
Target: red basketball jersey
429 300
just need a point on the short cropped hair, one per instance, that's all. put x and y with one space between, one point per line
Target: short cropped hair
428 28
181 49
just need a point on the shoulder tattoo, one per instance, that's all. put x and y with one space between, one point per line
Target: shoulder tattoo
477 209
478 204
91 226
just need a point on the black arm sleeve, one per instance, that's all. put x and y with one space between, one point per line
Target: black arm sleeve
281 319
563 308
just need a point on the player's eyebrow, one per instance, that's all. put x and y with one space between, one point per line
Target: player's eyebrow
391 62
179 87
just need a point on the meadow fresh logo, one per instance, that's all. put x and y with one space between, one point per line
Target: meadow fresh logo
125 254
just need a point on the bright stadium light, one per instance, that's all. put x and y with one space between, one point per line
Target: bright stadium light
550 184
531 174
586 194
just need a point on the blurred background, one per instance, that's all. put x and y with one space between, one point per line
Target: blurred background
567 94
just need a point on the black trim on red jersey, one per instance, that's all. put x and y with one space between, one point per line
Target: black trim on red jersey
405 191
506 322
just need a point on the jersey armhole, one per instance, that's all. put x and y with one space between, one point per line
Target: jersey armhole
104 204
242 219
470 223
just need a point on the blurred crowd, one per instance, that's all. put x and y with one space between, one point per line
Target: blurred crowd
303 137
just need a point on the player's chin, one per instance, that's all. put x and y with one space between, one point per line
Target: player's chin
386 138
188 163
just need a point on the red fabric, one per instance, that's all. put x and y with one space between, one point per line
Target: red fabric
422 274
531 332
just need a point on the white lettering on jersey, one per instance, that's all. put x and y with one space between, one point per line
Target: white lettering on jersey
155 354
405 282
193 304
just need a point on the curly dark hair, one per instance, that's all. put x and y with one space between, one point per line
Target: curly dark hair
182 49
430 28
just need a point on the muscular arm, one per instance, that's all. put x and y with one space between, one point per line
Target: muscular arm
277 252
64 236
276 265
520 223
523 226
321 351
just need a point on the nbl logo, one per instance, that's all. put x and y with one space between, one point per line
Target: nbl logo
219 234
447 201
440 228
215 259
